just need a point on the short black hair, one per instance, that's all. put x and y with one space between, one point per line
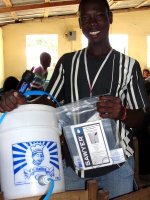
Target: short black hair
10 83
104 2
45 55
146 70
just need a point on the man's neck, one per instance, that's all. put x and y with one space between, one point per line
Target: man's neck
98 50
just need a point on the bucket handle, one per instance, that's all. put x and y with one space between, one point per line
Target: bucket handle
33 93
40 93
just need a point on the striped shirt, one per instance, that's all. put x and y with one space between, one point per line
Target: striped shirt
119 76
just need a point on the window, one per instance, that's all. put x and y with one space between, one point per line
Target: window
117 41
148 51
36 44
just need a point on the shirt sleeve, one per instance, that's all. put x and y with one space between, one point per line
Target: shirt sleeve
38 70
56 85
136 92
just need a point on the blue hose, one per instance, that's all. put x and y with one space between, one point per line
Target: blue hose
40 93
49 193
33 93
2 117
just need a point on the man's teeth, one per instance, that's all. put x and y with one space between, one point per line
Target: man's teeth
94 33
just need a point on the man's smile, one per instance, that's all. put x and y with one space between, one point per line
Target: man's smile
94 33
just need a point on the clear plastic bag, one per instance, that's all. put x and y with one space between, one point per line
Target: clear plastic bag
91 140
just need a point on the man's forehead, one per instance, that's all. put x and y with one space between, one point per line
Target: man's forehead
93 5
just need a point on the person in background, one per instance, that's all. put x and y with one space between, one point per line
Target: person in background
147 79
90 72
41 72
146 73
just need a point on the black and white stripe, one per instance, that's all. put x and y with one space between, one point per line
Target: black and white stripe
70 77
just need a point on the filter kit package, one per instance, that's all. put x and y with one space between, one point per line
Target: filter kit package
91 140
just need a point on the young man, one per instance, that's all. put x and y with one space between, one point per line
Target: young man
41 72
91 72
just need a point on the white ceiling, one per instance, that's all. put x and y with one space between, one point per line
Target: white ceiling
15 11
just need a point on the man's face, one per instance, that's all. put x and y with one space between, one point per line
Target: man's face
45 62
95 21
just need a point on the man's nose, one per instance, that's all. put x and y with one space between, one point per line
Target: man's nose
93 20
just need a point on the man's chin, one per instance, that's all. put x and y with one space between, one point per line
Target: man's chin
95 41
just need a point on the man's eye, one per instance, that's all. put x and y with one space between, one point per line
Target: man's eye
99 15
85 18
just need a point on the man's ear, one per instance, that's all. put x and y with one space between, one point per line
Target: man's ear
110 17
80 23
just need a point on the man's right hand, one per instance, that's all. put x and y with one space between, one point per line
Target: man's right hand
11 100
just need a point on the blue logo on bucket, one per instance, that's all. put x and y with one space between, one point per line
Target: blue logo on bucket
33 159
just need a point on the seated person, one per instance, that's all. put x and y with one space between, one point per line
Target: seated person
41 72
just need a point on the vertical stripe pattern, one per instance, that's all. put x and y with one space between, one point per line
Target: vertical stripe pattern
127 85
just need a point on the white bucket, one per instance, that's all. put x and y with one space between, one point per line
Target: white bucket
29 148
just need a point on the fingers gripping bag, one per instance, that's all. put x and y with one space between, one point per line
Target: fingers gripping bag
91 146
